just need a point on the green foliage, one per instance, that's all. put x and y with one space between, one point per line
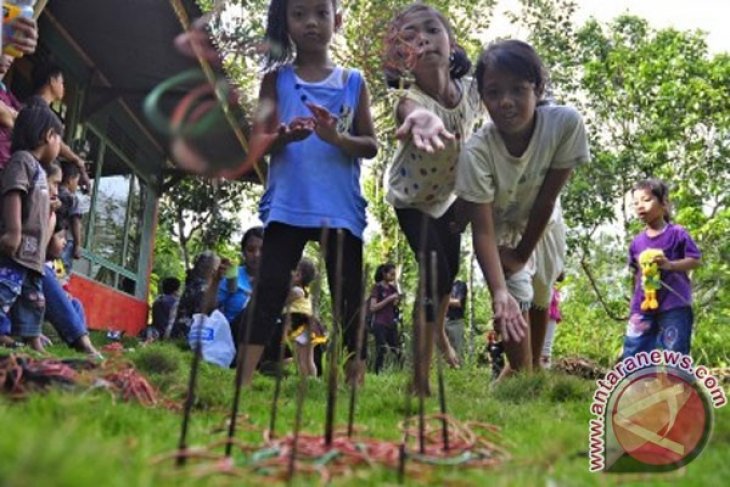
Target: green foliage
201 213
655 104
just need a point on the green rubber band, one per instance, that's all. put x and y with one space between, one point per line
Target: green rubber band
191 130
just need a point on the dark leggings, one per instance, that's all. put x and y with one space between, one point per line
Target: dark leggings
386 338
282 249
438 238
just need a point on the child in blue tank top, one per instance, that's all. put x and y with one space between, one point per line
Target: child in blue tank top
317 117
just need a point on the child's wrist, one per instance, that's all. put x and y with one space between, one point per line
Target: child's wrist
499 295
337 139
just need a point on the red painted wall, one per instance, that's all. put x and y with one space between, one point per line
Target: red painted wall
108 309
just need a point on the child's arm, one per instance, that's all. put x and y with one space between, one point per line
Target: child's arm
426 128
10 240
215 295
76 234
376 305
680 265
508 318
52 218
360 143
67 153
267 129
542 209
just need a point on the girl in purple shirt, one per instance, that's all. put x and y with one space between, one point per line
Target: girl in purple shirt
670 325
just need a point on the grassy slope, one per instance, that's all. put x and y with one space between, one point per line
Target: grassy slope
90 439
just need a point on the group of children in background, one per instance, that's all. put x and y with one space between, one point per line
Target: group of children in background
38 205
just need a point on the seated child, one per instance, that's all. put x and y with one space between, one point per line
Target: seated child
196 283
64 312
164 309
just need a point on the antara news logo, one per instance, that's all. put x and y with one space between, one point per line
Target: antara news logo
653 413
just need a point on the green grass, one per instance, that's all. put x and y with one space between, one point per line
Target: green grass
79 438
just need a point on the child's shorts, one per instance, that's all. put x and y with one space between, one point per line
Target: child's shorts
299 325
22 303
549 258
519 286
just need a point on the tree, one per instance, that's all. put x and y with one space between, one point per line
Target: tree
200 213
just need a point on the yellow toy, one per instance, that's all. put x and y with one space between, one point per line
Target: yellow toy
650 278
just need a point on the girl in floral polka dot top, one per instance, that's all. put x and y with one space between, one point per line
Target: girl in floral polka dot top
436 114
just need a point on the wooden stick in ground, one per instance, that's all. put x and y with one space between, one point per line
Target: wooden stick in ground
243 341
439 359
421 348
334 349
301 394
279 369
189 400
402 449
358 351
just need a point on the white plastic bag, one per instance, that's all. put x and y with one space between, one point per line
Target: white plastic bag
215 335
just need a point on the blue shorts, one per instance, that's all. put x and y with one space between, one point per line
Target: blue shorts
22 303
666 330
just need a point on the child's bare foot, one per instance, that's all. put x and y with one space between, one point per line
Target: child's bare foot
448 351
355 372
83 344
96 356
420 389
451 358
36 343
506 373
420 385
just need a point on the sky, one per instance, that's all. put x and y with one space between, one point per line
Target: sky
711 16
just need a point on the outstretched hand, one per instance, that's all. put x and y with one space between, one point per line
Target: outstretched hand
426 129
508 319
325 123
